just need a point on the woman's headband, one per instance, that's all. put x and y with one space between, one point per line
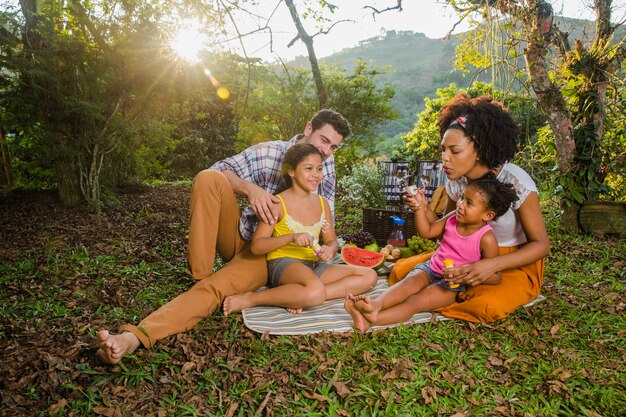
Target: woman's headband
459 121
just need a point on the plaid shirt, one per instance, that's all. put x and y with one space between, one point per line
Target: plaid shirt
262 164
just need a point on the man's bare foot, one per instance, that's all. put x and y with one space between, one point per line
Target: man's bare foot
361 324
294 310
113 347
234 303
367 307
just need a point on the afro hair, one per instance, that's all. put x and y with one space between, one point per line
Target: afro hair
488 125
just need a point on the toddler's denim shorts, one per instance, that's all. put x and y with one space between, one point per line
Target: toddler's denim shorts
436 279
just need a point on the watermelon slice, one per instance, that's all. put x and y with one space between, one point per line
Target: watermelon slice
362 257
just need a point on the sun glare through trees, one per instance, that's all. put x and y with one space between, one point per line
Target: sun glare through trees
188 41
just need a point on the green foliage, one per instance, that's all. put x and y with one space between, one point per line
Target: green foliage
580 76
366 105
97 111
282 101
363 187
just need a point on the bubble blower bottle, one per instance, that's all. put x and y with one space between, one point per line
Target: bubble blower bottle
447 264
396 237
316 245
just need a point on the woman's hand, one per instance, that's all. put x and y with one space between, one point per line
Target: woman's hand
302 239
471 274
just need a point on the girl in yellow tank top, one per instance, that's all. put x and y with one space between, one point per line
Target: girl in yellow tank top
298 266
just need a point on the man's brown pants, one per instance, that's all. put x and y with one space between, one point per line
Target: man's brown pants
214 226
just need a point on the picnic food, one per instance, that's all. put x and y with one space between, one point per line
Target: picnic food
439 200
360 239
362 257
420 245
406 252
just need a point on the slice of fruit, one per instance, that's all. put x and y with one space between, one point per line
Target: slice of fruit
362 257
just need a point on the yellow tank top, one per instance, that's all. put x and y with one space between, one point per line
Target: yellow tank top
288 225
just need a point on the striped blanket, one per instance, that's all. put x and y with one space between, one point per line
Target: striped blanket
329 317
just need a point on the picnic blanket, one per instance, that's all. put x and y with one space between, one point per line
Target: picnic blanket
329 317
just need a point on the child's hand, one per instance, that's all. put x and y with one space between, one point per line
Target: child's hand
325 253
415 201
302 239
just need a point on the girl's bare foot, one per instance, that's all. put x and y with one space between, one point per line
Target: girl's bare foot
113 347
234 303
361 324
294 310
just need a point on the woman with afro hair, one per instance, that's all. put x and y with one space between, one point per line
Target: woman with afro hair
479 136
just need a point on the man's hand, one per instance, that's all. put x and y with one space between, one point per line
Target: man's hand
262 203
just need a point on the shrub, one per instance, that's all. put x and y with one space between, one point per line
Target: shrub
363 187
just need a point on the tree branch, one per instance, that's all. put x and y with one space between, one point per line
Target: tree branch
375 11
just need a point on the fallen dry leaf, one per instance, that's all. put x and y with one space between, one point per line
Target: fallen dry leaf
341 388
56 408
429 394
554 330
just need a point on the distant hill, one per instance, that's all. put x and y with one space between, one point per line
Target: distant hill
416 65
420 65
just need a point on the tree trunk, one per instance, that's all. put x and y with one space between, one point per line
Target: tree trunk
7 176
549 96
68 181
308 41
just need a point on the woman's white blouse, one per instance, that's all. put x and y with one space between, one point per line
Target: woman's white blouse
508 228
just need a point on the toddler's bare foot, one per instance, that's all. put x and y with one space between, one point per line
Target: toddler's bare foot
234 303
368 307
113 347
294 310
361 324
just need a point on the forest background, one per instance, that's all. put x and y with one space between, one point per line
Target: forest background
96 96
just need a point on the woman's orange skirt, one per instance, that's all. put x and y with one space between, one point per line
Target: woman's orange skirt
486 303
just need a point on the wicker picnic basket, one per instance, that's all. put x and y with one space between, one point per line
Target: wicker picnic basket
378 222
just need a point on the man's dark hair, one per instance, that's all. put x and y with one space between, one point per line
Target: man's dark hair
498 195
331 117
294 156
486 122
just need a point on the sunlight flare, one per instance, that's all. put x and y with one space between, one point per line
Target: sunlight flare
188 41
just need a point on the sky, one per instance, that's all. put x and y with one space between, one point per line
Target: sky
431 17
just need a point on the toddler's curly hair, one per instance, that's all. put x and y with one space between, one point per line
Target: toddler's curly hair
486 123
499 196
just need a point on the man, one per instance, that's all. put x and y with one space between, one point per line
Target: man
216 225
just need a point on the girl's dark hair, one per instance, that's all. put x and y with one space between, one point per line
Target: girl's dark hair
499 196
294 156
487 123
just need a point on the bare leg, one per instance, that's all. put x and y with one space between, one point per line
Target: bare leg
113 347
341 280
428 299
300 288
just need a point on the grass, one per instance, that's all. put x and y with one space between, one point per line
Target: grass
562 357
